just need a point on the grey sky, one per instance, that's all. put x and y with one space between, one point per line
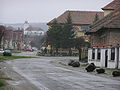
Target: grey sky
17 11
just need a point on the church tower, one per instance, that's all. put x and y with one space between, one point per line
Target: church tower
25 26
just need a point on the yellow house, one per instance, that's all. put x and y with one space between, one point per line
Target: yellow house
80 20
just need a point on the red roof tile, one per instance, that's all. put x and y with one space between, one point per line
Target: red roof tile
113 5
79 17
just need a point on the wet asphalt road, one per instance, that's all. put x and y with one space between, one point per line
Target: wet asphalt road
46 76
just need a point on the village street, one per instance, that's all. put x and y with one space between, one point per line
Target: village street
41 73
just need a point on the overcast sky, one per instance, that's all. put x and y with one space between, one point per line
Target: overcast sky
17 11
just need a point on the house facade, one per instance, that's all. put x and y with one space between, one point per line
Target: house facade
105 39
8 38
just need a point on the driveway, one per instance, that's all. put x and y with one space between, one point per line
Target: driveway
46 76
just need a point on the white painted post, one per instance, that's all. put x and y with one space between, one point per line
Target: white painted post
102 59
109 54
116 57
96 53
88 55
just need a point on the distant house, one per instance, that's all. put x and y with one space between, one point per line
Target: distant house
8 38
80 20
32 35
13 39
33 31
105 38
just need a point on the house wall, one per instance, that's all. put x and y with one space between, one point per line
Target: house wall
95 39
100 38
18 39
106 12
13 39
80 31
114 37
8 37
105 54
111 37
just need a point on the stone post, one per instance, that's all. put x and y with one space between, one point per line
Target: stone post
96 53
109 54
89 54
116 57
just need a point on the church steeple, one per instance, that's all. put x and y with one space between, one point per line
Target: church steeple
26 25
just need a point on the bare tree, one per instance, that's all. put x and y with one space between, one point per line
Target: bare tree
2 29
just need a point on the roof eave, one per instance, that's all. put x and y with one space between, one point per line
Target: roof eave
108 9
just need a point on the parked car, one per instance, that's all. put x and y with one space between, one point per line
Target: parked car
1 52
28 50
7 53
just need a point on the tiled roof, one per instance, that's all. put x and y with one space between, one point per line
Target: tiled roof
112 20
30 28
113 5
10 28
79 17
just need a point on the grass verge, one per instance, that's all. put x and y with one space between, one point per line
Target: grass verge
4 58
16 51
2 79
2 83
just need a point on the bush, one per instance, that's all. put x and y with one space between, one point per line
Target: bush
100 70
2 83
7 54
91 67
116 73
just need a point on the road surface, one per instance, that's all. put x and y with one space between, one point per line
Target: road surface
46 76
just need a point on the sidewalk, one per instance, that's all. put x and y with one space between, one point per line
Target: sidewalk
18 82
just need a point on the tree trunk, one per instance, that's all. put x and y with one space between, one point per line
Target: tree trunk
56 51
79 54
51 51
